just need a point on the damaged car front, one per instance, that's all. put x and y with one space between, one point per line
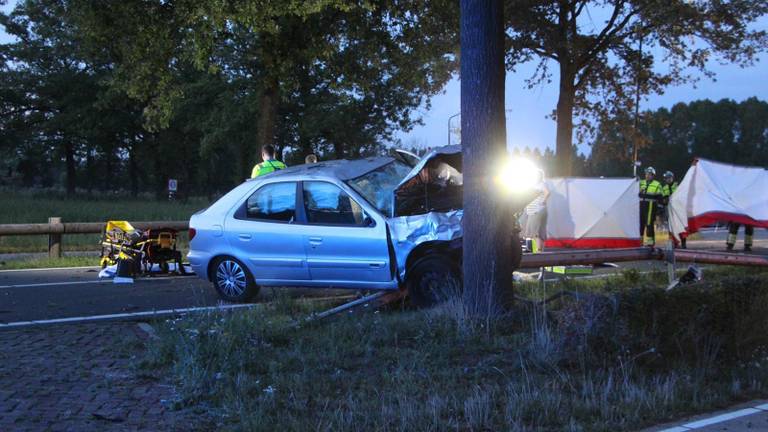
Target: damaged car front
424 215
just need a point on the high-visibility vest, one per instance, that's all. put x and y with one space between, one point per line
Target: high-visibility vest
668 189
652 187
267 167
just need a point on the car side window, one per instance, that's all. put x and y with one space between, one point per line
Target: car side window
273 202
326 203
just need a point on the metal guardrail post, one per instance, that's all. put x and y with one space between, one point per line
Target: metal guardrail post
54 237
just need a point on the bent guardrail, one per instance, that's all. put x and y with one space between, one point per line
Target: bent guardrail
55 229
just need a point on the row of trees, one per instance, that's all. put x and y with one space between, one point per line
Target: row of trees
107 95
104 94
725 131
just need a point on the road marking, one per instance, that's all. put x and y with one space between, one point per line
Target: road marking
717 419
100 281
721 418
49 268
154 314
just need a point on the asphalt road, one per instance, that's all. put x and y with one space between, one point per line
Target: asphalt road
27 295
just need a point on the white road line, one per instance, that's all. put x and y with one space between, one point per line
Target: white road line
152 314
156 313
55 284
699 424
721 418
100 281
48 268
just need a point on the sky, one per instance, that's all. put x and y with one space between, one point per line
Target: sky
527 109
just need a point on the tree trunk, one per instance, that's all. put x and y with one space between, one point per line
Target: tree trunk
338 149
564 116
268 113
487 223
133 171
69 154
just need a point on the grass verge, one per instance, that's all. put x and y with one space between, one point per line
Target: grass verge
38 263
37 207
626 358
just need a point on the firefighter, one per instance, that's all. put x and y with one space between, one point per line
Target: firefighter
650 196
733 232
669 187
269 165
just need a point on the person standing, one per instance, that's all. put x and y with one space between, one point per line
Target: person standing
269 164
669 187
733 233
535 227
650 196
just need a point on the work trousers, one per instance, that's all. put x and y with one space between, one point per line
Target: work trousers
733 232
647 219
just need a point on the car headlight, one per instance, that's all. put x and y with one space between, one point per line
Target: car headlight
518 175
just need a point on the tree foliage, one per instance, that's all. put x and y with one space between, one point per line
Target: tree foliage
191 89
638 47
724 131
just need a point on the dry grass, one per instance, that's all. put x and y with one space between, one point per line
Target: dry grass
440 370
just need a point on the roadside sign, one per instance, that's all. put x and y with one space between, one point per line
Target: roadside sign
173 185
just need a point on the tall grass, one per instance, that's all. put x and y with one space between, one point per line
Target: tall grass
30 207
409 370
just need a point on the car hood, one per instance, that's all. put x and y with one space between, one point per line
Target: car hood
434 184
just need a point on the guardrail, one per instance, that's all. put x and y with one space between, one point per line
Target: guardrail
55 229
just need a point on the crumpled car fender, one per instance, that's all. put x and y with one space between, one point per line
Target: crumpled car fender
408 232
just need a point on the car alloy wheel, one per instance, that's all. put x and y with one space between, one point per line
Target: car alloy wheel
231 278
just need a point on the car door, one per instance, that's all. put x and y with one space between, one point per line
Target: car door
263 233
346 246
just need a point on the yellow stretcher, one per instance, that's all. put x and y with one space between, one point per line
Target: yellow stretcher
139 249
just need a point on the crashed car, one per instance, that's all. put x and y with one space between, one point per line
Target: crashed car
382 223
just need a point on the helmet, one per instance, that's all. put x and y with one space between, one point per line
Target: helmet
650 170
669 174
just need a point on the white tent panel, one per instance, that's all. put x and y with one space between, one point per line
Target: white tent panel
593 213
713 191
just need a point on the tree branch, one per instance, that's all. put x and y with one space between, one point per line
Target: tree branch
610 30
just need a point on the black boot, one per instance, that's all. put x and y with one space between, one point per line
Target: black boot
747 248
729 247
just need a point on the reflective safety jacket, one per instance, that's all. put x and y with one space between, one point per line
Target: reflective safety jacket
651 190
267 167
668 189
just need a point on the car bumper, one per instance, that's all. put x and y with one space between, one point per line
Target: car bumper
199 261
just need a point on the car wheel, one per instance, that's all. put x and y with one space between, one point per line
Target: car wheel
233 281
432 279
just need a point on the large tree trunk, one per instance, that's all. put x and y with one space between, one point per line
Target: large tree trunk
564 116
487 223
338 150
268 113
133 171
69 154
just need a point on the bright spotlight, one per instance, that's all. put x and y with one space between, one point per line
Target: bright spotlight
518 175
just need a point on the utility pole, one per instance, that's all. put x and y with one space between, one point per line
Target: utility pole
638 83
449 125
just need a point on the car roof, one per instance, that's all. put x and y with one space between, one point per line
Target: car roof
342 169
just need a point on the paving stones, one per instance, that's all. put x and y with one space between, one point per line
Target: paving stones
82 377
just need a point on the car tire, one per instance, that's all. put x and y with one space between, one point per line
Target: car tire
232 280
432 279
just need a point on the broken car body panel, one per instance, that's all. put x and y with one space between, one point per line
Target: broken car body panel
427 204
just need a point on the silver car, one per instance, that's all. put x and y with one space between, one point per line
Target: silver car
372 224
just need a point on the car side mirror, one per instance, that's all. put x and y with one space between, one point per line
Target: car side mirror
368 221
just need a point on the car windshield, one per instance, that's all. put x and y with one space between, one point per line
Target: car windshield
376 186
